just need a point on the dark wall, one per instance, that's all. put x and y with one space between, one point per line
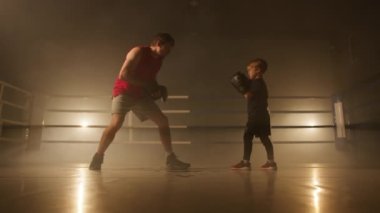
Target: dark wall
358 80
73 47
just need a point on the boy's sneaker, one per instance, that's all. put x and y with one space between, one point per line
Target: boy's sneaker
270 165
242 165
96 163
173 163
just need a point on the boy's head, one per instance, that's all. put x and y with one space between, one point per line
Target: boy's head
162 43
256 68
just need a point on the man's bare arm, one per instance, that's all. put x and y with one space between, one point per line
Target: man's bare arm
129 66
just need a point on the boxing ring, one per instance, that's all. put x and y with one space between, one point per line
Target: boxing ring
15 114
87 116
68 124
294 120
205 125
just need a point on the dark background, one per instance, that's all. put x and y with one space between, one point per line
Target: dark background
78 46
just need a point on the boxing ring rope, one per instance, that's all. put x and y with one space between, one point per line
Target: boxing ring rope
197 122
25 109
129 125
311 117
204 122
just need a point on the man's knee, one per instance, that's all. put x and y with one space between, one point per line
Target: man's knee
116 127
116 124
112 129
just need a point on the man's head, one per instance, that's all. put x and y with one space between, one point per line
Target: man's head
162 43
256 68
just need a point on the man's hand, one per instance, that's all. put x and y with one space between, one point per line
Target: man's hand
157 91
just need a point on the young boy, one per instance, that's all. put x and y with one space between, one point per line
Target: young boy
258 123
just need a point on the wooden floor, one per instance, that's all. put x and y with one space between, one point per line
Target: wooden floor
73 188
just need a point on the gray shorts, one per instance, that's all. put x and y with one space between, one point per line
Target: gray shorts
143 108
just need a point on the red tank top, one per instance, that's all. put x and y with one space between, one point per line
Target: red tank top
146 70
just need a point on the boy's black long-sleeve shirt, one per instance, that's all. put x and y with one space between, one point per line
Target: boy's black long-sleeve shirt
257 104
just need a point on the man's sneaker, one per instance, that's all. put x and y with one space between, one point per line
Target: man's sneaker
269 165
173 163
242 165
96 163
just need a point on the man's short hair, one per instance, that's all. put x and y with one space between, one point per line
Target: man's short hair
163 38
261 63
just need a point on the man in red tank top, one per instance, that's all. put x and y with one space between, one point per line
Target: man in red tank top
136 89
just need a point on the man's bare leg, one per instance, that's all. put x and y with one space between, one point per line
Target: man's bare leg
165 137
110 132
163 127
106 139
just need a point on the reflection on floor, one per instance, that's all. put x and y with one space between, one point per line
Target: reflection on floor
290 189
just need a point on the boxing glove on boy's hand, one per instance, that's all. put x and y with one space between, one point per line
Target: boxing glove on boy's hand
240 82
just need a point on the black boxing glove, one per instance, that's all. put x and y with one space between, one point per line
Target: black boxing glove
240 82
160 93
157 91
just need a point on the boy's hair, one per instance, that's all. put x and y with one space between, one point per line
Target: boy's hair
163 38
262 64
